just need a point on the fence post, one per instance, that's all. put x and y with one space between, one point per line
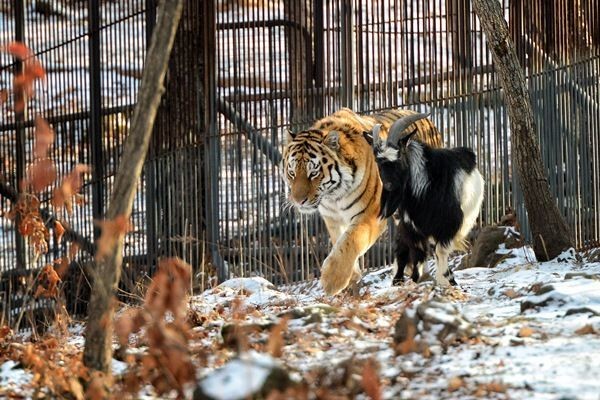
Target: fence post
299 51
95 127
19 9
346 55
150 167
212 153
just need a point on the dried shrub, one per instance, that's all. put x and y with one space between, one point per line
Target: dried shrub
167 365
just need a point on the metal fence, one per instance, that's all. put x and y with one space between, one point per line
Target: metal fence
242 72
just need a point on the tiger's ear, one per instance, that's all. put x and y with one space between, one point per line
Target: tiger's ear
332 140
289 135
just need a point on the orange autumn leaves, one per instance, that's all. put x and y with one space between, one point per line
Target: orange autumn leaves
24 81
167 364
41 173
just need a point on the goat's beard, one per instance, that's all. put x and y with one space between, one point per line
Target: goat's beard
390 202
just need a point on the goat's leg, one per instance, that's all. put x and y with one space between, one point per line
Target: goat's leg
418 257
402 257
443 276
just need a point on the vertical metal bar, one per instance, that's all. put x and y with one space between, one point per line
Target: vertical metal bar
346 61
19 10
95 127
319 59
213 149
150 173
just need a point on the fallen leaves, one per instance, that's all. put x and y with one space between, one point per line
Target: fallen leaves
276 340
586 330
455 383
525 331
370 381
511 293
56 367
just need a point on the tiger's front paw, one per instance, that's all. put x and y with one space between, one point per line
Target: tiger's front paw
335 275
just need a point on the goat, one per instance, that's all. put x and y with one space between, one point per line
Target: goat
438 193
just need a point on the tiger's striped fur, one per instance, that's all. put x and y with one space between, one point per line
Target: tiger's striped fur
330 168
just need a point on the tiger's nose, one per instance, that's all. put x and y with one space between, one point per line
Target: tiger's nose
299 198
300 192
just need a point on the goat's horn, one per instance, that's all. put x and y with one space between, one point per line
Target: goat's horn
400 125
375 131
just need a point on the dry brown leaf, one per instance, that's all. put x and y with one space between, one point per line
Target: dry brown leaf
409 345
96 388
525 331
455 383
41 173
370 381
130 321
59 231
67 192
3 96
48 282
17 49
586 330
44 138
485 389
111 232
23 83
276 341
511 293
169 288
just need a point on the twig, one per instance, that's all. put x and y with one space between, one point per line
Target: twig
97 353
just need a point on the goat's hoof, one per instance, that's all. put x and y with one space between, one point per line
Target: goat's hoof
397 281
453 282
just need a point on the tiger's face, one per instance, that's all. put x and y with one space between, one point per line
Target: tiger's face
310 169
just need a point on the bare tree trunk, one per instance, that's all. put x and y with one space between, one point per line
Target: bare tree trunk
98 335
551 234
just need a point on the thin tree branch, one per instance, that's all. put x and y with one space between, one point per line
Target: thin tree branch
98 344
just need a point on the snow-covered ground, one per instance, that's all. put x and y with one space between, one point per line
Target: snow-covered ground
527 345
521 330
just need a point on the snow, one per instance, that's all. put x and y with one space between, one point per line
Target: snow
239 378
13 376
552 362
518 325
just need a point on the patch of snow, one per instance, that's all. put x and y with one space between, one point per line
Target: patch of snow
11 375
118 367
240 378
251 285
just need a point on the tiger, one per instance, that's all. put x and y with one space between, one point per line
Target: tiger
329 168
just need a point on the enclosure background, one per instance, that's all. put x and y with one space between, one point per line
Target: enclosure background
242 72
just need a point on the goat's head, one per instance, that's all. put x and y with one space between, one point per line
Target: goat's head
392 154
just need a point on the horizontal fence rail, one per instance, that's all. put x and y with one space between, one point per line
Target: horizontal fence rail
243 72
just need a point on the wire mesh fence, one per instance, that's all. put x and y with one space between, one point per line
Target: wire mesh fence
244 71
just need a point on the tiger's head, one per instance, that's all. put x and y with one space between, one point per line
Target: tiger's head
311 168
